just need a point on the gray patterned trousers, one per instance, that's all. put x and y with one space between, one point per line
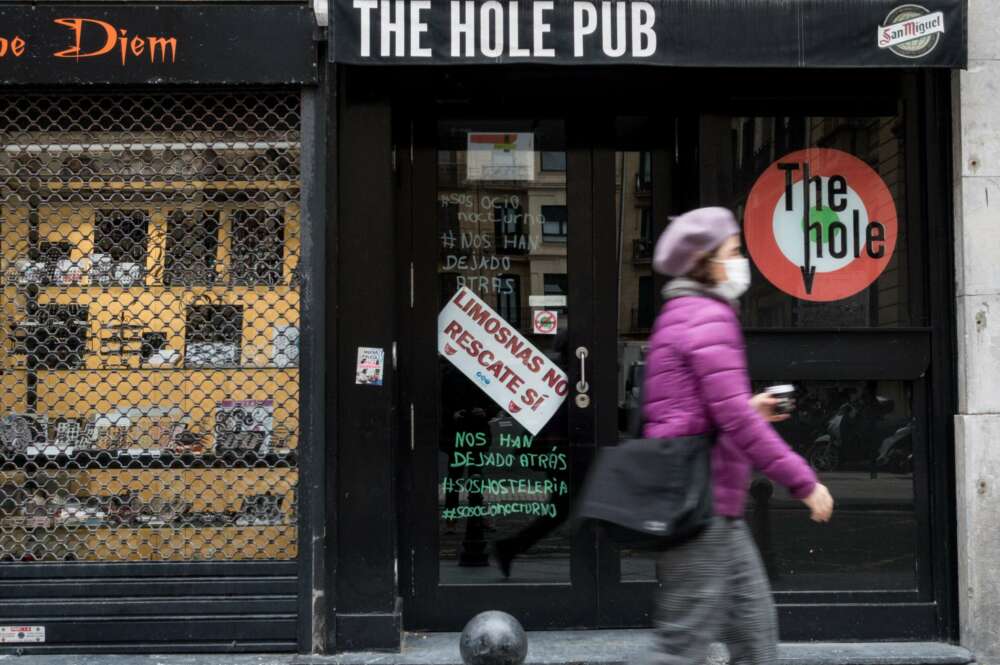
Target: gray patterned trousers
715 589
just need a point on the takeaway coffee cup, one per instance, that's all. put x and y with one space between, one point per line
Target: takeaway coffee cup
785 394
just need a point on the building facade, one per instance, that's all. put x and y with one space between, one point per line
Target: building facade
307 346
976 282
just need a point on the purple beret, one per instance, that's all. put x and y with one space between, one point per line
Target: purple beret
691 236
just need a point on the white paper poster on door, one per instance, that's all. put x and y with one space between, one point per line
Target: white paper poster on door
500 156
525 382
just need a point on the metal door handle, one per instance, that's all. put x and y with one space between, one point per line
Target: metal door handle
582 386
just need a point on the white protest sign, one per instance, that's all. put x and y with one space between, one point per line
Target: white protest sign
497 358
500 156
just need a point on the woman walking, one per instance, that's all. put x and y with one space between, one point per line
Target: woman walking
714 588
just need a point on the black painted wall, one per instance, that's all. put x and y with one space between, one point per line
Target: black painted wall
365 603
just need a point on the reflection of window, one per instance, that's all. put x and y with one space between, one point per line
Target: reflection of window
647 304
644 178
214 335
509 299
449 285
553 160
448 226
555 284
509 229
55 337
448 165
642 247
120 241
556 218
258 246
646 224
192 243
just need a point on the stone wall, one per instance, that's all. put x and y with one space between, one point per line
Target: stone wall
977 425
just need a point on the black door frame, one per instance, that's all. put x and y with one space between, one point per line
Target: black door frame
929 613
431 606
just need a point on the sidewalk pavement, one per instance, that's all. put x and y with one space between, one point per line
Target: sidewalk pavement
591 647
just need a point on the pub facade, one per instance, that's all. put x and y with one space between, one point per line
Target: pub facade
310 335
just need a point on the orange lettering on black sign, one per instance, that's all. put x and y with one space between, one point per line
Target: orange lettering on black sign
93 38
12 46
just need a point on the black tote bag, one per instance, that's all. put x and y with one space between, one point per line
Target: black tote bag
650 493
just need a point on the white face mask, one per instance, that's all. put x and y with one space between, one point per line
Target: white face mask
737 277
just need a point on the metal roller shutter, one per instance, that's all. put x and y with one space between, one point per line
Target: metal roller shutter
149 376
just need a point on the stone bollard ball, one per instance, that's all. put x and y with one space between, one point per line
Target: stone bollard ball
493 638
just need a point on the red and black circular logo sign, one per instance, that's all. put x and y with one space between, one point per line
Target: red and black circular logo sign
820 224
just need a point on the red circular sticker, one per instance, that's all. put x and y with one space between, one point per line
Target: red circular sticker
545 322
820 224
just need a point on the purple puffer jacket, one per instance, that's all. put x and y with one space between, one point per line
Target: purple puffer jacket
696 382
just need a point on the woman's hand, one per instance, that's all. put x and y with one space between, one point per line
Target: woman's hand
766 406
820 504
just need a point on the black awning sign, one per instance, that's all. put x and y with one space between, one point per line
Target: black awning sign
108 39
91 38
54 44
780 33
494 29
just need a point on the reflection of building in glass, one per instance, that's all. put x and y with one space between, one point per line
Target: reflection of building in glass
636 302
505 240
756 143
637 299
752 145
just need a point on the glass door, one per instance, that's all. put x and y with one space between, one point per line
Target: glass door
635 180
498 388
531 243
862 419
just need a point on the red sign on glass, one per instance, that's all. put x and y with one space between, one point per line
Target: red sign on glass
820 224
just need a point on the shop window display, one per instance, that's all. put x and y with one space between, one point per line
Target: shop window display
120 238
192 248
214 336
54 337
257 247
150 317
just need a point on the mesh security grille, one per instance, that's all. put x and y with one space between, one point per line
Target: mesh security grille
150 327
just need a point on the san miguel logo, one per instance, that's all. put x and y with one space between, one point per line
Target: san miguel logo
911 31
820 224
